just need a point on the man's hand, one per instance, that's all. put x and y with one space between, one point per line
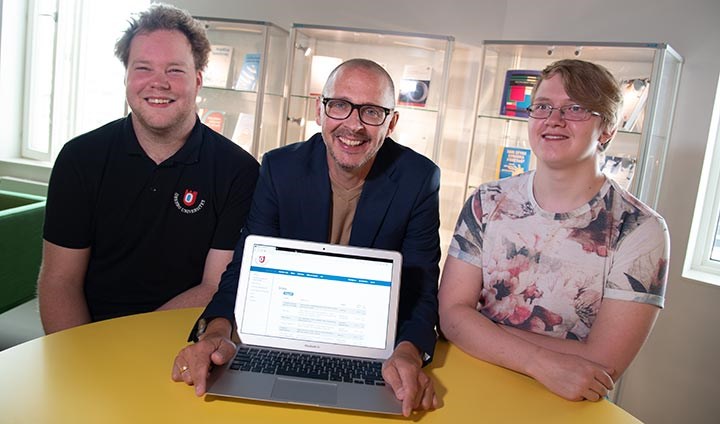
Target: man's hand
192 365
403 372
572 377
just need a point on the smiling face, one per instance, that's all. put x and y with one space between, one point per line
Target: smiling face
351 144
561 144
162 82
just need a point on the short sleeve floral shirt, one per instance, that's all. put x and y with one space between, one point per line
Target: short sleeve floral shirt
548 273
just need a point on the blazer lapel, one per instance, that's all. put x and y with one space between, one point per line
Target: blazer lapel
314 187
377 194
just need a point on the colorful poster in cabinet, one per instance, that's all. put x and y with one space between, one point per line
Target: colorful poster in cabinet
215 119
517 92
513 161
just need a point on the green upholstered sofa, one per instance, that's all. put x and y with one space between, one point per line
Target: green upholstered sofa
21 221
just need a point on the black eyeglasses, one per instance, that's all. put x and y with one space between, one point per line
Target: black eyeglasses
369 114
569 112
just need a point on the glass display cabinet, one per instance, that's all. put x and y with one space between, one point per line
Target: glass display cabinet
419 65
242 93
648 73
436 81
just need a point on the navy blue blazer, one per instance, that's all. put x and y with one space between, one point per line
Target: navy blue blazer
398 210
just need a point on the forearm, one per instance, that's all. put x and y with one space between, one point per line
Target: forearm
197 296
61 287
617 334
480 337
215 263
61 308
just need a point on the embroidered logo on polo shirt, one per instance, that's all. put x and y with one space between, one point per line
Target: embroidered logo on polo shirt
190 203
189 198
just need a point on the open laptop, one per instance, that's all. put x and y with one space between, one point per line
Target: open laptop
298 300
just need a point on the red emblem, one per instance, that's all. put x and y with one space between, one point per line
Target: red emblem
189 197
261 259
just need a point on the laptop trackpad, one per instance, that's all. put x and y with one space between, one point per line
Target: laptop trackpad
315 393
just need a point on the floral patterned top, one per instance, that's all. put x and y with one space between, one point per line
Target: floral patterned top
549 272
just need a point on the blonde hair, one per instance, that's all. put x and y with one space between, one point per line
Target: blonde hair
589 84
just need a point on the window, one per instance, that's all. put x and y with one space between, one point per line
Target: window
73 83
702 260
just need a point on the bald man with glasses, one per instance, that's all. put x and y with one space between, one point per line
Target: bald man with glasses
349 184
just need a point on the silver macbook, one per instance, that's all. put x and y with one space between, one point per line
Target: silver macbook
315 322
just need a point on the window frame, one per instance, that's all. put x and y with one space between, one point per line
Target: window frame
698 265
79 74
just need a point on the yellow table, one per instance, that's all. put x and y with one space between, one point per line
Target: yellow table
118 371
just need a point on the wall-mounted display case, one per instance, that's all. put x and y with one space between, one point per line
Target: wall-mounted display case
242 93
648 73
436 82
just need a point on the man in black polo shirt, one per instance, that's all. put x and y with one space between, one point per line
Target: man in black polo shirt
144 212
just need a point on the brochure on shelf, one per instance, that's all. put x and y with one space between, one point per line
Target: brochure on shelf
218 67
243 133
415 85
620 169
513 161
635 92
517 92
320 69
247 78
215 119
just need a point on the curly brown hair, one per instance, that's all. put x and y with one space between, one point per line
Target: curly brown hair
166 17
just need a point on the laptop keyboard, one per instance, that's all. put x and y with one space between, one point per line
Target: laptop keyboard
307 365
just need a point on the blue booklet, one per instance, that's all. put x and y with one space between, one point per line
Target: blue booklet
513 161
247 79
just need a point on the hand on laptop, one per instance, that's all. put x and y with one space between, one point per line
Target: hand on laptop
403 372
193 363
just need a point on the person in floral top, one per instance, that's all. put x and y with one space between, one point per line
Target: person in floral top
566 268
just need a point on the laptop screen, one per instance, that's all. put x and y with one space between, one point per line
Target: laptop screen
317 296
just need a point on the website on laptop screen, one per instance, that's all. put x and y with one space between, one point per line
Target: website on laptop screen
318 296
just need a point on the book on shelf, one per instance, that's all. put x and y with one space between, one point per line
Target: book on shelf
247 78
215 119
218 68
415 85
620 169
244 129
517 92
512 161
635 92
320 69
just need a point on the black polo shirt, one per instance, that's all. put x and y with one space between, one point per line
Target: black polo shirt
149 226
